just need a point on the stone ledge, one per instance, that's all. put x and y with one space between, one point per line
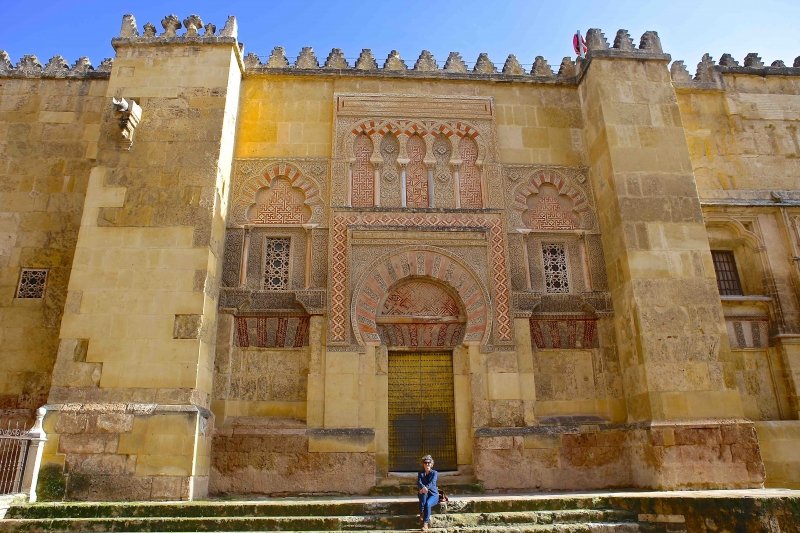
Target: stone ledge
563 424
253 72
341 432
131 408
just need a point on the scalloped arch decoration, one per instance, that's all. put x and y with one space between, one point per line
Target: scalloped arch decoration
375 128
254 186
580 205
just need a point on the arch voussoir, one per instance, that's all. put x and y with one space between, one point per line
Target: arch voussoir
438 266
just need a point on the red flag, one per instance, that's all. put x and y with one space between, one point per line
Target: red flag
579 44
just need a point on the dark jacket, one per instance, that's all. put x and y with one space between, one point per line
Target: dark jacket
428 481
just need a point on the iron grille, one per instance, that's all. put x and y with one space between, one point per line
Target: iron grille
32 282
556 276
13 450
276 263
727 275
421 410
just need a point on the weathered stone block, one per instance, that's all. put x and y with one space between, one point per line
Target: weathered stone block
88 443
114 422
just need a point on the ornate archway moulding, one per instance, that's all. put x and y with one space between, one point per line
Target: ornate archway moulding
252 175
339 259
425 263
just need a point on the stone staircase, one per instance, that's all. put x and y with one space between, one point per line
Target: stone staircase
467 514
463 483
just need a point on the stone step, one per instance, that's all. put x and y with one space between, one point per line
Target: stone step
306 507
286 524
530 517
174 522
451 488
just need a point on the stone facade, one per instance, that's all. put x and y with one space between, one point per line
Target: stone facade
211 267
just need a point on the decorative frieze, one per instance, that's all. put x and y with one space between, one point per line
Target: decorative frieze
272 331
563 332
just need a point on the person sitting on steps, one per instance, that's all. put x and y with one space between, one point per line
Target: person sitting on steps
428 492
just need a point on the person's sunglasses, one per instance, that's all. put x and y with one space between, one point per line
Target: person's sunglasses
426 462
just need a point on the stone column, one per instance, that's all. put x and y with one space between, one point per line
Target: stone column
129 403
669 325
33 459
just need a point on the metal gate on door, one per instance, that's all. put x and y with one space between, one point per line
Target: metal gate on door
421 410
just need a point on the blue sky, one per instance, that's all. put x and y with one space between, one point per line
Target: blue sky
74 28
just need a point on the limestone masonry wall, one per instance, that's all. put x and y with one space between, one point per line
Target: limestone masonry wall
49 128
252 264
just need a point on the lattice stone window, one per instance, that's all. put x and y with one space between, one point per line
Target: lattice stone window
727 276
32 282
556 277
276 263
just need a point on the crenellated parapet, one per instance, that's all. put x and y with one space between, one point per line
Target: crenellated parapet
29 66
425 66
709 75
194 32
624 47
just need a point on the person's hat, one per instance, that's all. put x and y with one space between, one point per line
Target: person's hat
427 458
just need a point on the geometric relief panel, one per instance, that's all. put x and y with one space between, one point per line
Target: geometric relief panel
280 203
419 298
420 313
549 211
416 173
444 190
565 332
272 331
390 171
362 186
232 258
469 183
